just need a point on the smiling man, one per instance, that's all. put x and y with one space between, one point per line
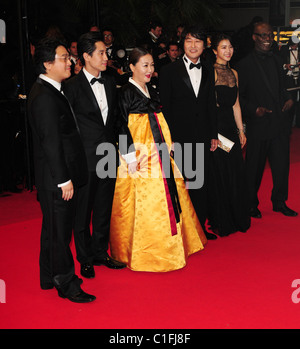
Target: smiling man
93 96
60 169
187 96
265 104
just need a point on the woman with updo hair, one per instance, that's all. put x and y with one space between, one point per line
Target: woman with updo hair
153 226
228 197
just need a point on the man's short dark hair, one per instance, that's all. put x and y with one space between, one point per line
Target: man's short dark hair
107 29
45 51
195 31
154 24
87 44
172 43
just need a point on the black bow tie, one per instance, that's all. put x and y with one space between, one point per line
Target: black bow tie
198 65
100 80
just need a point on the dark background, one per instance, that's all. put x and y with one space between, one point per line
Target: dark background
28 20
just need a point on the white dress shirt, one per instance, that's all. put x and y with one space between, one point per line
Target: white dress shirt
99 92
194 74
294 57
54 83
57 85
73 59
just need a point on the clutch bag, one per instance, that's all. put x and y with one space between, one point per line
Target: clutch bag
225 143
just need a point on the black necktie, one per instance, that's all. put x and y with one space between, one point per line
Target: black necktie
198 65
100 80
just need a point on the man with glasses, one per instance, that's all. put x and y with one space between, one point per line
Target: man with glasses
60 169
265 104
116 54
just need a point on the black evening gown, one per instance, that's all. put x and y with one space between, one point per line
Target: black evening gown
228 196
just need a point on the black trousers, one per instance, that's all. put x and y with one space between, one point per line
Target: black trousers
56 259
198 194
94 206
277 152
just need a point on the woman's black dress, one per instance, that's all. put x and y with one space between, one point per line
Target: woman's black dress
228 197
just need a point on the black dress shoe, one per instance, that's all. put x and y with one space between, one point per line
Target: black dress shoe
87 270
80 297
285 210
255 212
109 263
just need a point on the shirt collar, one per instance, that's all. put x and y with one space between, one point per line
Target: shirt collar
90 76
187 61
154 37
54 83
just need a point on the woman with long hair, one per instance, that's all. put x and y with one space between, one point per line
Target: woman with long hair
228 198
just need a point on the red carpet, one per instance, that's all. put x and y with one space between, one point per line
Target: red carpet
243 281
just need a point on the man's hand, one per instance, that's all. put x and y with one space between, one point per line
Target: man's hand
288 105
132 167
214 144
67 191
261 111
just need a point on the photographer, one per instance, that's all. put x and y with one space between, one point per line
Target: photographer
291 65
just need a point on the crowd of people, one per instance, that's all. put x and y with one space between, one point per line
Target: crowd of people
146 155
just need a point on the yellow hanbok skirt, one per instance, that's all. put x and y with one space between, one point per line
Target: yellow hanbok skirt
141 234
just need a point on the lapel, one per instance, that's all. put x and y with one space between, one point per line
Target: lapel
109 96
59 95
53 89
184 75
203 79
87 90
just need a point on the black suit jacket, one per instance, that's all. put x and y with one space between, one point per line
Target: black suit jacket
88 115
191 119
256 91
58 151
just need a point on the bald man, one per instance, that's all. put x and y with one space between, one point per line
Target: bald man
265 104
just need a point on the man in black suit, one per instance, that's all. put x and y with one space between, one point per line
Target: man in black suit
188 102
150 40
93 97
73 54
117 58
265 104
117 55
290 55
172 55
60 169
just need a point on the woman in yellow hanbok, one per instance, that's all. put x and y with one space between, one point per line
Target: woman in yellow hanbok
153 225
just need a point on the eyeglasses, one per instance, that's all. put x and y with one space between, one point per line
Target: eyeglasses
265 35
64 58
108 35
